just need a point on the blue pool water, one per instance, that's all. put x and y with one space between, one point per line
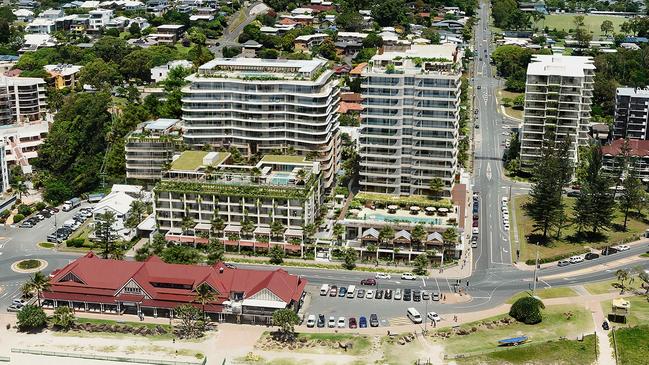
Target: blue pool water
416 219
281 178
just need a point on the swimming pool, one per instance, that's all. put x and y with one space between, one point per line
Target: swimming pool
397 218
281 178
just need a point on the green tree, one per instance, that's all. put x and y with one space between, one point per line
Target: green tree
389 12
31 317
204 294
632 194
527 310
136 214
418 234
178 254
285 319
215 252
134 30
63 318
436 187
39 283
247 226
622 277
277 228
100 74
450 235
105 231
386 234
217 224
420 265
338 231
191 324
432 35
230 52
110 49
607 26
594 207
328 50
349 259
276 254
350 20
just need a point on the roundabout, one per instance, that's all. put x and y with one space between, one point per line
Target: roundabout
28 266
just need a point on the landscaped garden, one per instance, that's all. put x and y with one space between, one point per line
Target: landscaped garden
632 345
331 343
570 243
29 264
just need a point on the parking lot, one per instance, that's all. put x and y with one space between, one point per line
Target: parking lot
390 311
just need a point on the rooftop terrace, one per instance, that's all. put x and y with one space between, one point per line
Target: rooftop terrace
262 69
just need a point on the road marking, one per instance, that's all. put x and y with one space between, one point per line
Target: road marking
423 282
488 173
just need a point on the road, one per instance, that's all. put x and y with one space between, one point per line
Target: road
235 27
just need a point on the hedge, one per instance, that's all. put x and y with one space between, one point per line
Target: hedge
75 242
18 217
545 260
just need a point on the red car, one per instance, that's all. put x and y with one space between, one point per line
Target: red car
352 323
369 281
475 223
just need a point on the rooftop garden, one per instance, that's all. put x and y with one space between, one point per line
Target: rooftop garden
284 159
189 160
402 201
300 192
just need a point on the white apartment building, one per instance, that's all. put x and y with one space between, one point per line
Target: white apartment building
409 125
22 141
25 96
41 26
150 147
159 73
631 113
558 94
99 19
266 106
4 171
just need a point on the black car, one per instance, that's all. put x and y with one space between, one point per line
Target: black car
605 326
388 294
45 213
342 291
416 295
379 294
321 321
609 251
407 294
591 256
374 320
53 238
361 293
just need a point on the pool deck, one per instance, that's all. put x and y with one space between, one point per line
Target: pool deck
405 215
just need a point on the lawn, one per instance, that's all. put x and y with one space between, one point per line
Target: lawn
633 345
609 286
639 313
572 352
547 293
46 245
592 22
569 243
554 325
514 113
189 160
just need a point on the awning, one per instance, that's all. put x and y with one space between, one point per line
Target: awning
263 303
371 233
435 237
262 230
293 233
403 235
232 228
430 209
393 207
203 227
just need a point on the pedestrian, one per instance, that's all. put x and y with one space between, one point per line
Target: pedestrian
455 318
467 283
173 340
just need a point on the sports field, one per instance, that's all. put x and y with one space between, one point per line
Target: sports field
593 22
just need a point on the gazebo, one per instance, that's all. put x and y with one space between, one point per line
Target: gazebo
430 210
403 237
392 209
371 235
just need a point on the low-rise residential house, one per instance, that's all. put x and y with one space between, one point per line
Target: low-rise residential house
159 73
261 204
205 14
89 4
169 33
154 288
250 49
304 43
99 19
302 19
64 75
41 26
32 42
150 148
637 157
118 202
52 14
24 15
27 4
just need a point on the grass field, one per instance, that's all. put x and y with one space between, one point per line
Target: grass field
553 326
548 293
592 22
610 286
571 352
514 113
569 242
639 313
633 345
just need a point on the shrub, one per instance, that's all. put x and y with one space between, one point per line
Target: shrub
5 214
75 242
24 209
18 217
31 317
40 206
527 310
28 264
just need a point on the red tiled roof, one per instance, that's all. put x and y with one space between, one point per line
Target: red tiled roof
638 147
345 107
287 21
351 97
103 279
318 8
358 69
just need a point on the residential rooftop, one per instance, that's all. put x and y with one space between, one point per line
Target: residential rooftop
559 65
193 160
633 91
257 68
283 159
419 58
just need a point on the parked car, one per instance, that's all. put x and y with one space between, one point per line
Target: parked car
333 291
374 320
370 294
622 247
407 294
408 276
332 322
416 295
388 294
434 316
476 223
506 226
397 294
321 321
310 321
576 259
341 322
20 301
605 326
563 263
361 293
342 291
379 294
352 323
15 308
26 224
368 281
436 296
609 251
591 256
362 322
425 295
382 275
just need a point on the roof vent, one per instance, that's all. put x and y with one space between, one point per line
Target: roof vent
220 270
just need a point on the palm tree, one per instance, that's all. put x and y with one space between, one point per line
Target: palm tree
20 188
277 228
218 225
338 231
39 282
622 276
204 295
27 289
247 226
187 223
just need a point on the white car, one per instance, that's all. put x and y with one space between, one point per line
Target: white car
505 221
369 294
397 294
382 275
20 301
341 322
332 322
434 316
475 230
622 247
576 259
506 227
563 263
310 321
408 276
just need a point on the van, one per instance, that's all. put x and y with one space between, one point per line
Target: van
476 230
414 315
351 291
324 289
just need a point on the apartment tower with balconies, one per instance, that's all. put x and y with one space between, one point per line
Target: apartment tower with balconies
410 122
266 106
558 97
631 113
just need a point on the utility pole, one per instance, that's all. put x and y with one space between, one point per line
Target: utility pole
536 266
